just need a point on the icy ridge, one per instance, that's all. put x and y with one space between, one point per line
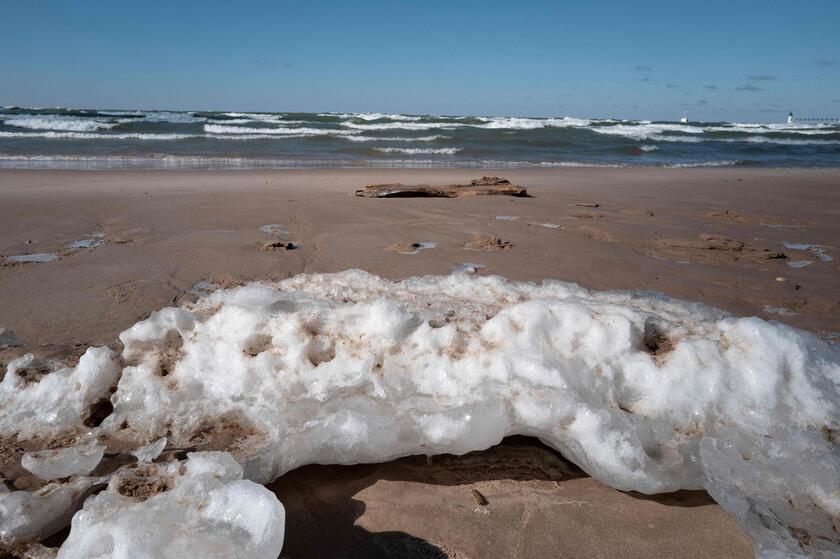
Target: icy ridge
643 392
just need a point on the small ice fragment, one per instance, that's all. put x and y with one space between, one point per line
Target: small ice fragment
818 250
781 311
36 257
32 516
799 263
64 462
507 217
273 228
203 510
798 246
467 268
413 248
92 240
8 339
150 451
203 287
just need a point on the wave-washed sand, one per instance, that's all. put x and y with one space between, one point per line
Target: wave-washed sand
111 247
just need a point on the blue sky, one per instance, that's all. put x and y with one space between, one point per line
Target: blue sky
734 60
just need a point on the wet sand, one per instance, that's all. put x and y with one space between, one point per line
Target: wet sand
710 235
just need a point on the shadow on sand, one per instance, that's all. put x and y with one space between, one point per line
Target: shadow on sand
324 507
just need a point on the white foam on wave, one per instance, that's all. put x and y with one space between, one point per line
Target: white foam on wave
59 122
417 151
431 138
173 117
522 123
223 129
376 116
402 125
95 136
745 139
719 163
644 131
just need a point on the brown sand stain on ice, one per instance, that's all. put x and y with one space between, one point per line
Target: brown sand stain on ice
144 481
231 432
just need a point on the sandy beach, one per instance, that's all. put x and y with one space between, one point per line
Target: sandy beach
751 242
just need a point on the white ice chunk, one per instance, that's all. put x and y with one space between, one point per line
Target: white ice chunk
31 516
349 368
643 392
64 462
37 401
203 509
150 451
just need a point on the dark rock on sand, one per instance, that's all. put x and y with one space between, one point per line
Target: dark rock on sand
279 245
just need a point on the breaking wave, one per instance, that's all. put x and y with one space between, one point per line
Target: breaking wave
417 151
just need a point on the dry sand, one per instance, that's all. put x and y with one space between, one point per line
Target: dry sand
711 235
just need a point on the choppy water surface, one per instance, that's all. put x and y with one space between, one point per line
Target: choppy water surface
75 138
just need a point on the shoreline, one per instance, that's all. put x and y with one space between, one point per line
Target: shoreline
373 165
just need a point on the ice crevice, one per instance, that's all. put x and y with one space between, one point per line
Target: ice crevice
643 392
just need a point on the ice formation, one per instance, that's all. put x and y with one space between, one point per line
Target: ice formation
64 462
200 508
643 392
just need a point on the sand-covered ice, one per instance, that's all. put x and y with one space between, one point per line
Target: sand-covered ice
643 392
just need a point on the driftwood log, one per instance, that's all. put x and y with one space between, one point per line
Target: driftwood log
485 186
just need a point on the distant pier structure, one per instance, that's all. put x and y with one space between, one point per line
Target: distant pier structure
811 120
